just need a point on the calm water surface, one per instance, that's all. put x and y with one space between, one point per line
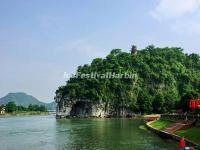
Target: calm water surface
47 133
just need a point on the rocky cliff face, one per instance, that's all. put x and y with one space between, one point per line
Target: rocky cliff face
80 109
86 108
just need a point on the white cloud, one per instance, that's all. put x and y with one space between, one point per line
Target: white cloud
171 9
189 27
182 16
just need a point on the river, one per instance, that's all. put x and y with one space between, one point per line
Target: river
47 133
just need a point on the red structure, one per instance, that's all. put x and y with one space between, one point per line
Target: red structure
194 103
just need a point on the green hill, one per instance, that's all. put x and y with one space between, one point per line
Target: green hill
25 100
164 75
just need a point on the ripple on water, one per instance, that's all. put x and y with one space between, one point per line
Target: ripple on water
43 133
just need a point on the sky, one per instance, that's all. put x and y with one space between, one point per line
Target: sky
40 40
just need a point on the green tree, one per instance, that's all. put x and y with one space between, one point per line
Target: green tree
21 108
144 102
158 103
164 76
11 107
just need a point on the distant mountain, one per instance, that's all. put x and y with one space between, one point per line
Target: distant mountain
51 106
25 100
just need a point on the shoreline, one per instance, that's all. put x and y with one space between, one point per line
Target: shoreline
104 117
174 137
135 116
29 113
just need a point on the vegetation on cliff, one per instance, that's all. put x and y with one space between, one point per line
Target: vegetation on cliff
164 75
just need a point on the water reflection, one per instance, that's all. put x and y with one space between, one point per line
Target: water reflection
107 134
47 133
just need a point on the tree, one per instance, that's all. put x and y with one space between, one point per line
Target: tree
157 104
144 102
41 108
164 76
21 108
11 107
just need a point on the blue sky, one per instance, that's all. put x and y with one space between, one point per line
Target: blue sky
40 40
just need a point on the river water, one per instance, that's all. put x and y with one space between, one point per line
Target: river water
47 133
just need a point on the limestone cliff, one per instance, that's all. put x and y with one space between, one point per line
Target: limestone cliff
85 108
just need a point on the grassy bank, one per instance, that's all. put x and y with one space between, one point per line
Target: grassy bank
190 133
26 113
161 124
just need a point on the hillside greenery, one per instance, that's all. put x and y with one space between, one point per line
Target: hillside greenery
11 107
164 77
23 99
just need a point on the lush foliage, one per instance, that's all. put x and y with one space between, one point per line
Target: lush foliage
164 75
41 108
12 107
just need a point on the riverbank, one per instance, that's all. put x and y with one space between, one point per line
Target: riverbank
24 113
192 135
132 116
161 124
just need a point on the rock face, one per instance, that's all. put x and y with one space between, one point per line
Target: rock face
67 107
85 108
81 109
